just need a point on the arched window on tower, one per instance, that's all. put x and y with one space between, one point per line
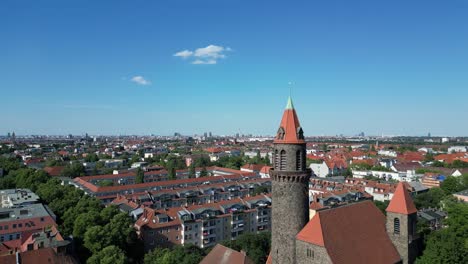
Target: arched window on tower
396 226
299 160
282 166
277 160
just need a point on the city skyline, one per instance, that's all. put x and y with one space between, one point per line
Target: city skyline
160 68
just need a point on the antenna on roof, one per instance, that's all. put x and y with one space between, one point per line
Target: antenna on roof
290 84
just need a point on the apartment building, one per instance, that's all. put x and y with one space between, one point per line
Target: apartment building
204 225
124 183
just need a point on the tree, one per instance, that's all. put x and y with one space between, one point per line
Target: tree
449 245
430 199
140 176
267 160
73 170
104 183
91 157
451 185
95 239
172 174
257 246
382 206
203 172
192 172
83 222
429 157
29 178
260 189
109 255
188 254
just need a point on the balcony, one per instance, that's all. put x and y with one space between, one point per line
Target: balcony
207 235
238 221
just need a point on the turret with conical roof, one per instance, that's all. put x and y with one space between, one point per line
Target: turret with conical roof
290 131
290 179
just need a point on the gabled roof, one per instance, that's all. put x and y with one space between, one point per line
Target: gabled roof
312 232
401 203
289 127
353 233
224 255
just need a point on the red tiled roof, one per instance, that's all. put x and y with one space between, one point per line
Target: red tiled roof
449 158
401 203
290 124
312 232
54 171
224 255
253 167
370 162
366 242
266 169
44 255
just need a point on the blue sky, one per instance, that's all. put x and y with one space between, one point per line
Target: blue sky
109 67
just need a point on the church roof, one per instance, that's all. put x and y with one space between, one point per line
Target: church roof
224 255
401 202
355 233
289 127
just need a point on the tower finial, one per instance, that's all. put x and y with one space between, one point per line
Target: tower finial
290 104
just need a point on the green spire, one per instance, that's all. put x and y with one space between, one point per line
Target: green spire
290 104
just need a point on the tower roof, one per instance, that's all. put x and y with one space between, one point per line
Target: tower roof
401 203
290 131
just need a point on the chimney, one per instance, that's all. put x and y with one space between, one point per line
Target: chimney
18 258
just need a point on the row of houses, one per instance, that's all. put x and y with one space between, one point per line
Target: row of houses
204 225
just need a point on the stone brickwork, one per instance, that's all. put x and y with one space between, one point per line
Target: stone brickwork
290 201
406 242
307 253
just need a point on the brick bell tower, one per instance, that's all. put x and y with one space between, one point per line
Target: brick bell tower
402 217
290 181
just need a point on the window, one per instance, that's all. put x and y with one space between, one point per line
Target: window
276 160
396 226
282 166
310 253
298 160
14 226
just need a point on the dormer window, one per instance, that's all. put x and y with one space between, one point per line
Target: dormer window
300 133
281 133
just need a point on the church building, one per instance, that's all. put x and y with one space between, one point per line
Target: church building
354 233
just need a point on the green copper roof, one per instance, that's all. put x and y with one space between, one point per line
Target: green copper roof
290 104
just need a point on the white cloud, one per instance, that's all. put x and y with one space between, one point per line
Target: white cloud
140 80
207 55
210 51
204 61
184 54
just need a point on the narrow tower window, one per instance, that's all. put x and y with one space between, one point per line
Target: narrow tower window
396 226
277 160
282 160
298 160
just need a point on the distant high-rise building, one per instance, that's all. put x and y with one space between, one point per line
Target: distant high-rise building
13 136
429 135
205 134
210 135
9 135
